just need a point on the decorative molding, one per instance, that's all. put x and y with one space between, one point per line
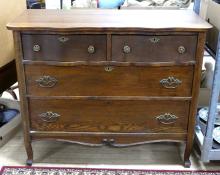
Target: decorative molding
113 144
108 63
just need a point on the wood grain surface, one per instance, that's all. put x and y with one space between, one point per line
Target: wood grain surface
120 81
120 139
109 20
74 48
114 95
109 115
153 48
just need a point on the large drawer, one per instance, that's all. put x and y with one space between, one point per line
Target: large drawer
44 80
150 116
141 48
64 47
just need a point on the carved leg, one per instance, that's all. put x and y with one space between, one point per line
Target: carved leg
188 150
29 152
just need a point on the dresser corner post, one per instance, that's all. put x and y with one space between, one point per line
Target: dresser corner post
195 92
23 99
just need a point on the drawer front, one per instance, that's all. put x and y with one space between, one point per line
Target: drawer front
44 80
112 139
109 115
133 48
64 47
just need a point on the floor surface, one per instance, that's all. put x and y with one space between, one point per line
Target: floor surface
62 154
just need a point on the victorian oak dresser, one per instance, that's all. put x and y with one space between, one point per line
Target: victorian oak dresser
109 77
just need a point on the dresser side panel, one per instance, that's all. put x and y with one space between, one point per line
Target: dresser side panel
22 92
195 93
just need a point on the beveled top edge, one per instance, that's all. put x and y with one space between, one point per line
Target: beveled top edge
109 20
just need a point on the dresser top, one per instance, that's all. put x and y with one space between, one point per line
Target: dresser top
109 20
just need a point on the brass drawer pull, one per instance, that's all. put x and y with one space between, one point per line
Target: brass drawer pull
109 68
36 48
181 49
127 49
167 118
63 39
47 81
91 49
154 40
108 142
170 82
49 116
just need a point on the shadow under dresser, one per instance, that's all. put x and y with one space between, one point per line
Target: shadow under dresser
109 77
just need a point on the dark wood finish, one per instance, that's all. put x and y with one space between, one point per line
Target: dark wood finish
120 81
109 20
64 47
109 116
23 101
96 139
109 47
195 92
122 32
8 76
131 98
109 63
109 98
153 48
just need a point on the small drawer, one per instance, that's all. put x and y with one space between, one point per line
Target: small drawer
155 116
64 47
45 80
142 48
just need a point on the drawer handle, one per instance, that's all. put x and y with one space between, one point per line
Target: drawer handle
46 81
108 142
127 49
49 116
91 49
181 49
170 82
154 40
63 39
167 118
36 48
109 68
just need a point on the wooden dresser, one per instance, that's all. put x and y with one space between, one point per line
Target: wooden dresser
109 77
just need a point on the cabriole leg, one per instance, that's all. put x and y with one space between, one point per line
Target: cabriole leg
29 152
188 150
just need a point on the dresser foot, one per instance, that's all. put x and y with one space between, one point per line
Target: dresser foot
29 162
29 152
187 163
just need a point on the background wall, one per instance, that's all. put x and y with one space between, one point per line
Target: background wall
8 10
